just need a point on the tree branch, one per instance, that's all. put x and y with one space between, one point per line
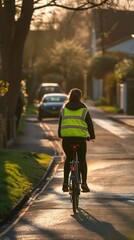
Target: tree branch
83 6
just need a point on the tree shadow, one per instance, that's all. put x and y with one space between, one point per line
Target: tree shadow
36 230
104 229
114 197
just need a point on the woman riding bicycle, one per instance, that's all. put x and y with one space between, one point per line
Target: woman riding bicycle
75 126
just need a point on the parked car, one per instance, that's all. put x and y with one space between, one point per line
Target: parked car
51 105
46 88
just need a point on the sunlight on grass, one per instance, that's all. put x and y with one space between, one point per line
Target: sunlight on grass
31 109
132 238
19 173
109 109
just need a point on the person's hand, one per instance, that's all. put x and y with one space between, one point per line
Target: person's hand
89 139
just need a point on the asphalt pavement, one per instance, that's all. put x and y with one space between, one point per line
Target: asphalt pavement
34 138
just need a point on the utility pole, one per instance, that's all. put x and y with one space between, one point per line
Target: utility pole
101 30
85 84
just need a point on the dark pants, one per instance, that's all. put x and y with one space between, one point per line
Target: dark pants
81 156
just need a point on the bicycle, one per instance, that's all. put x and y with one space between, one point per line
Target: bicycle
74 179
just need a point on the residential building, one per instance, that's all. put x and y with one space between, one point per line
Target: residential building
112 31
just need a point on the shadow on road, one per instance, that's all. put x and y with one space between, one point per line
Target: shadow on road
36 232
104 229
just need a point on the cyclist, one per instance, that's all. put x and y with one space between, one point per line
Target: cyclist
75 126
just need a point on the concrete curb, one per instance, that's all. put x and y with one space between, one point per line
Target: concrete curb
121 120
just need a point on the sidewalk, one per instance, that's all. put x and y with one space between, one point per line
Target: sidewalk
123 118
33 138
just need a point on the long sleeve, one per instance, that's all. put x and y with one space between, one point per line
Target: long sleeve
59 126
90 126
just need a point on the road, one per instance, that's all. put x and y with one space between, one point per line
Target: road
107 212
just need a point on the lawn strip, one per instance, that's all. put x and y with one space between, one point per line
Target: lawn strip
19 172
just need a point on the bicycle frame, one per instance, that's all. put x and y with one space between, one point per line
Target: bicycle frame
74 179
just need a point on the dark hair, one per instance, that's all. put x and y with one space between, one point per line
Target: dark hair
75 95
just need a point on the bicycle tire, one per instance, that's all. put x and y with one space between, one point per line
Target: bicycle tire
75 197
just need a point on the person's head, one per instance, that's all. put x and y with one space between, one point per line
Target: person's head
75 95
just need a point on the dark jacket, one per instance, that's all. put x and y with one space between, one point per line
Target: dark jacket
75 106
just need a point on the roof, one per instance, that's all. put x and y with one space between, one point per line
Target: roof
49 84
115 25
55 94
124 46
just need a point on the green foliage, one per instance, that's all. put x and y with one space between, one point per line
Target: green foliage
69 56
110 87
71 59
31 109
3 87
102 102
102 64
124 69
53 78
16 177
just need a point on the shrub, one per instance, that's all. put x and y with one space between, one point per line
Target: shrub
102 102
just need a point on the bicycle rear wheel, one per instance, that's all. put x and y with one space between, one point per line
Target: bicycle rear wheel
75 197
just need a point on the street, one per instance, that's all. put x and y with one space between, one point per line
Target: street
107 212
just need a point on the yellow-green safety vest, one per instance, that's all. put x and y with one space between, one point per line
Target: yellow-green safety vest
73 123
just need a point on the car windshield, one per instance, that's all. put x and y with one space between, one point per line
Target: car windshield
51 89
54 99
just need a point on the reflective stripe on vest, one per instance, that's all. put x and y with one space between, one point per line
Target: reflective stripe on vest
84 112
73 123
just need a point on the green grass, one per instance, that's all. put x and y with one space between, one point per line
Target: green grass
31 109
19 173
109 109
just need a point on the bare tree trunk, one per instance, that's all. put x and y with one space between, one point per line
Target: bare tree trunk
13 36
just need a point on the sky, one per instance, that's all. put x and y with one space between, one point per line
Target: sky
48 15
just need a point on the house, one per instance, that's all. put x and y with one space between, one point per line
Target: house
112 31
110 27
125 45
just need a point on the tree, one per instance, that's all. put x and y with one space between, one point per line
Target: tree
15 20
102 64
102 67
71 58
124 69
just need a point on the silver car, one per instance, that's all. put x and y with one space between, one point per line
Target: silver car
46 88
